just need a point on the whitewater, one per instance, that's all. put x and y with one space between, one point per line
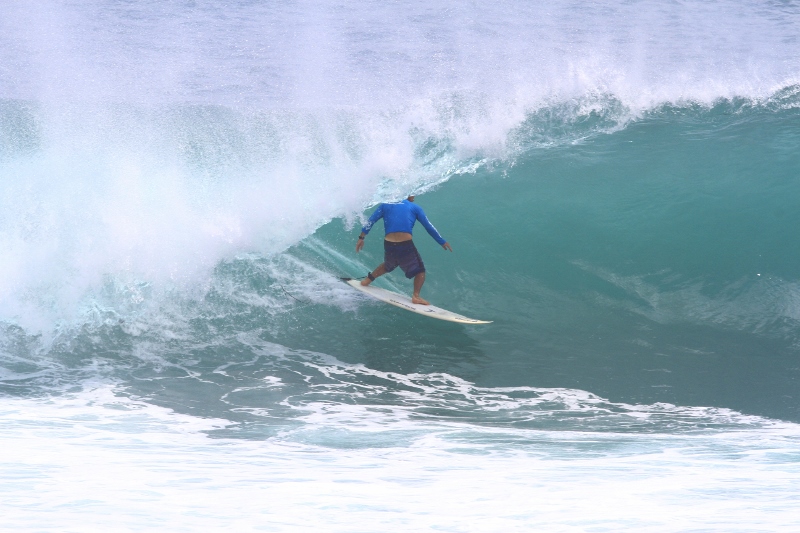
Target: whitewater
181 187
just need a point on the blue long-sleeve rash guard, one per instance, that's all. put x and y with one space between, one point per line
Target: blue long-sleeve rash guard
401 217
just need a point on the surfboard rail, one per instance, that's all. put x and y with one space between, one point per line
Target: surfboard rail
404 302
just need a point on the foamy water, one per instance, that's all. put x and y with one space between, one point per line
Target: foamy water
94 460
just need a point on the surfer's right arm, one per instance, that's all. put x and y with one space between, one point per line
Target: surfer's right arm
377 215
423 219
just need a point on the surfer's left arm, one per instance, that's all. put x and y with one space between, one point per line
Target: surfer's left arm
430 229
368 226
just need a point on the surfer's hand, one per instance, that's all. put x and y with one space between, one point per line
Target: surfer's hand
446 246
359 245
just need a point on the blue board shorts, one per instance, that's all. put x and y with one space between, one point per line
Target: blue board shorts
403 254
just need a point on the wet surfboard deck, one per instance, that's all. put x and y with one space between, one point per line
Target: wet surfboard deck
404 302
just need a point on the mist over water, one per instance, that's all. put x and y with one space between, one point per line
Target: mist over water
181 184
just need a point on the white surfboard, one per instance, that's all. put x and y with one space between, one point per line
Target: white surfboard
404 302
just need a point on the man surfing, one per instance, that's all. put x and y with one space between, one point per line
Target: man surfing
399 250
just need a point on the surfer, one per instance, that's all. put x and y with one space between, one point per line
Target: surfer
399 250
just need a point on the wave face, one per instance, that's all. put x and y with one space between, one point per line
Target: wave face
181 185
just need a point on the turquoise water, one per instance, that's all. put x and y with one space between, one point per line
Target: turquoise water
182 184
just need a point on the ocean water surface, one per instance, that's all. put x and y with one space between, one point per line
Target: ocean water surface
181 187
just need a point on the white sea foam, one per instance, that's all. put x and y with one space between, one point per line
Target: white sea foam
94 460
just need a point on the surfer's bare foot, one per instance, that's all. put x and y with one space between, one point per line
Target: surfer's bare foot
417 300
365 282
419 280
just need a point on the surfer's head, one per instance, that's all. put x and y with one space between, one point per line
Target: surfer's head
411 198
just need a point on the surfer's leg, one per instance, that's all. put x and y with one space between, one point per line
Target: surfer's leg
378 272
419 279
